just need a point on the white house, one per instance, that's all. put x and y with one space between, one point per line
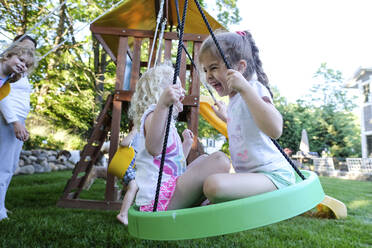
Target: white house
212 145
362 80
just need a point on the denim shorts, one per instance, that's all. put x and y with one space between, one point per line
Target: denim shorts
129 175
282 177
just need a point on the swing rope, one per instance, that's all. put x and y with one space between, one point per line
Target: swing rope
229 67
158 19
176 73
161 35
189 56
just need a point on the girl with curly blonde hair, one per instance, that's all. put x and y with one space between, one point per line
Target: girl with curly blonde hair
180 187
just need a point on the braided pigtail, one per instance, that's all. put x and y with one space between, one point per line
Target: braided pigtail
261 75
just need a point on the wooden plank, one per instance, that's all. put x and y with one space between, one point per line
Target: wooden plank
123 95
114 142
88 152
191 100
193 120
75 183
144 33
168 49
182 74
105 46
135 63
152 62
81 166
105 109
121 62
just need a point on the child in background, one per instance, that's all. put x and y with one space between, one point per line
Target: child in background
180 187
16 62
129 178
251 120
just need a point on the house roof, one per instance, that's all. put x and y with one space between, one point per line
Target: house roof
142 14
361 74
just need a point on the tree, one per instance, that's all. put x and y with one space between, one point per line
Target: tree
326 115
71 82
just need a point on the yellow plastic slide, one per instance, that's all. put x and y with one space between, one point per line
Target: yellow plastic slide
209 115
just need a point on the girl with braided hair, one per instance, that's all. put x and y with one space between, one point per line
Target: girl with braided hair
252 119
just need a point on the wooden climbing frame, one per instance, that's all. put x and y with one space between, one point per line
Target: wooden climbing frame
130 43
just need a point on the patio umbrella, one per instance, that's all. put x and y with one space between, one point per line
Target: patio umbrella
304 144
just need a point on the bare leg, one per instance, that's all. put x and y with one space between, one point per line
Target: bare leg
189 188
127 202
225 187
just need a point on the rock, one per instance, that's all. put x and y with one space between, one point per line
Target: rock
32 158
17 171
26 170
36 153
47 168
38 168
28 161
69 165
21 162
26 153
52 158
44 163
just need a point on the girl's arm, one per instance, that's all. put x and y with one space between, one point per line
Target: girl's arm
127 139
155 122
220 110
264 113
188 140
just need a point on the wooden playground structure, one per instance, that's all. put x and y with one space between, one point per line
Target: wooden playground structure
126 34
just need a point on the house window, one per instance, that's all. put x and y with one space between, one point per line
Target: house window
369 145
211 143
366 93
367 112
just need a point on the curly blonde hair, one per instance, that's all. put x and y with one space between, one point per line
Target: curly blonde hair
149 89
20 50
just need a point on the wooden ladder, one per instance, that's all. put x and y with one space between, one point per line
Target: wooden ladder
88 157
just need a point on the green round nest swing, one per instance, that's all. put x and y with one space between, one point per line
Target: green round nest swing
228 217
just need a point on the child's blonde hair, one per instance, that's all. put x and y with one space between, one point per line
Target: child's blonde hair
149 89
20 50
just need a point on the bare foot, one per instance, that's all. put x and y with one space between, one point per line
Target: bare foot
123 219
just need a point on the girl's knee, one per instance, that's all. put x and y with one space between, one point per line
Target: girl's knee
213 187
222 162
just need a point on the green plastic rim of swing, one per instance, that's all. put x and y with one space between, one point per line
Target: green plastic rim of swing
228 217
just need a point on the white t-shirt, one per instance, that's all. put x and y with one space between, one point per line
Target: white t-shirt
147 166
17 104
251 150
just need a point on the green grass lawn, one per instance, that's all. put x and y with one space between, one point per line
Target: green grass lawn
37 222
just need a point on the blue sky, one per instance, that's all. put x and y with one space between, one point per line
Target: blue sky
296 36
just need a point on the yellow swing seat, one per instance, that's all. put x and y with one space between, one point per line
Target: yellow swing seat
123 158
